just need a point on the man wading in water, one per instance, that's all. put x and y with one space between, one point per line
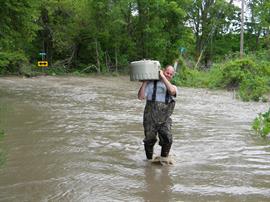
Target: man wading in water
160 96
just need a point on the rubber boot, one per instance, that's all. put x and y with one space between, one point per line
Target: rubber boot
165 150
149 151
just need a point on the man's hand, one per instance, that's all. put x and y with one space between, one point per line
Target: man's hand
141 93
161 74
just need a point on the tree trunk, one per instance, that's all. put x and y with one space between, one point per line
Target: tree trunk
97 55
47 36
107 61
116 60
257 39
242 30
142 23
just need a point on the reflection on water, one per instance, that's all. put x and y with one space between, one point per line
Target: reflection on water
80 139
158 183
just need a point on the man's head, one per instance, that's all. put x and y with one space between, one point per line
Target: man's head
169 72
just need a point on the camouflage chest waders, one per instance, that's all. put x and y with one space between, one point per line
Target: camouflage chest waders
157 120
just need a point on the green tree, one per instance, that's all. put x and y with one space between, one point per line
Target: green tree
18 23
259 24
18 30
160 29
57 30
209 19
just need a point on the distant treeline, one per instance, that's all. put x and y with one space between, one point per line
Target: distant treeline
105 35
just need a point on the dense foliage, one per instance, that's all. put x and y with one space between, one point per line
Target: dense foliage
105 35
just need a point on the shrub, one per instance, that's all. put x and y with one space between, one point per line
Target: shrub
186 76
251 77
215 77
11 62
261 124
234 72
253 88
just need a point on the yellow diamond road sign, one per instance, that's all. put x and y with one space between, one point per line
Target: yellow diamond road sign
43 63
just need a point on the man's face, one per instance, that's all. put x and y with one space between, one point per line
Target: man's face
168 73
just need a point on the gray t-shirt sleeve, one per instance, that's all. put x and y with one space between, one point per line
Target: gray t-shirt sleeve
146 92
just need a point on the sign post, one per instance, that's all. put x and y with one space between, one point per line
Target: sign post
43 62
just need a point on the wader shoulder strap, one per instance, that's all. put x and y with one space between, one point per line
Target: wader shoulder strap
167 98
154 91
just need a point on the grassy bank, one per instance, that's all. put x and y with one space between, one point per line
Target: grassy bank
250 77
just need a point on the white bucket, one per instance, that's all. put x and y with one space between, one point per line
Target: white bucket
144 70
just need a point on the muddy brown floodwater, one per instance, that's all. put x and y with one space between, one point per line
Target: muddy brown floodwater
80 139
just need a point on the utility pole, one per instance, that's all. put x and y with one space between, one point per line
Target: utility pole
242 30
